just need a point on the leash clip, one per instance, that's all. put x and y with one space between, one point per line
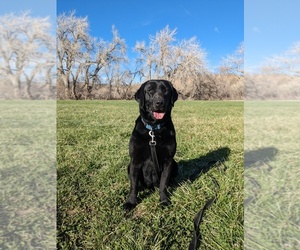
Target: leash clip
152 142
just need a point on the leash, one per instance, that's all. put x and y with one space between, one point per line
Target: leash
152 144
196 240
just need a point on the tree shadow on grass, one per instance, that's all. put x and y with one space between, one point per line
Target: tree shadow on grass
190 170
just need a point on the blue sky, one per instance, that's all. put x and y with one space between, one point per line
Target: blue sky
37 8
217 24
269 27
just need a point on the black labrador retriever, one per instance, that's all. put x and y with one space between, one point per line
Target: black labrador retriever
152 144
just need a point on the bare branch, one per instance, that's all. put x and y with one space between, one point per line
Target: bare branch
26 51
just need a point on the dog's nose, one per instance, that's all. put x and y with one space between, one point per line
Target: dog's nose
159 103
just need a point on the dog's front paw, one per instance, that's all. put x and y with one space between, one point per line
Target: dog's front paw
165 202
128 206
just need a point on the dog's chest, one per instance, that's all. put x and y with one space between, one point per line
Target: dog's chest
160 139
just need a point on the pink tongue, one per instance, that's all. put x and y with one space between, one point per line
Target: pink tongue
158 116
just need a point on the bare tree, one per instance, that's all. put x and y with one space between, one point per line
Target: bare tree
26 53
73 49
286 63
188 61
83 61
165 57
154 60
278 77
162 43
230 81
234 64
145 59
110 58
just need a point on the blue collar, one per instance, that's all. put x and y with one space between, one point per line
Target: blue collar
152 127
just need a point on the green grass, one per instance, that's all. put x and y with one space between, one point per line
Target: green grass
92 184
27 175
272 203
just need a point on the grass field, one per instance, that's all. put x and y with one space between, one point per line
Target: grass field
27 174
272 201
92 182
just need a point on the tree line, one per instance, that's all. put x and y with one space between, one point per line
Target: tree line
90 67
277 78
27 57
34 64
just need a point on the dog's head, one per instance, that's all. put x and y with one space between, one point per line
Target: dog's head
156 99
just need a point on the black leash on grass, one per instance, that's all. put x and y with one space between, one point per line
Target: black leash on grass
196 240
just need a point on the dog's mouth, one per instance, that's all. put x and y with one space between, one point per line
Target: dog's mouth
158 115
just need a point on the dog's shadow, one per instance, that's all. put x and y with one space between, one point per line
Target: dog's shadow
190 170
259 156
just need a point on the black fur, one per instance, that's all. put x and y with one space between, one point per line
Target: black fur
156 99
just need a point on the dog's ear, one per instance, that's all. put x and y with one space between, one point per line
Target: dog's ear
140 96
174 96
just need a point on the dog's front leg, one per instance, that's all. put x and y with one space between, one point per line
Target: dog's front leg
164 183
134 173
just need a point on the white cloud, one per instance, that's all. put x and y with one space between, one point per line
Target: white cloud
216 29
146 23
256 30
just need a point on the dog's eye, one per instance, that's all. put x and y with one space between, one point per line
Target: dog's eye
150 91
164 90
